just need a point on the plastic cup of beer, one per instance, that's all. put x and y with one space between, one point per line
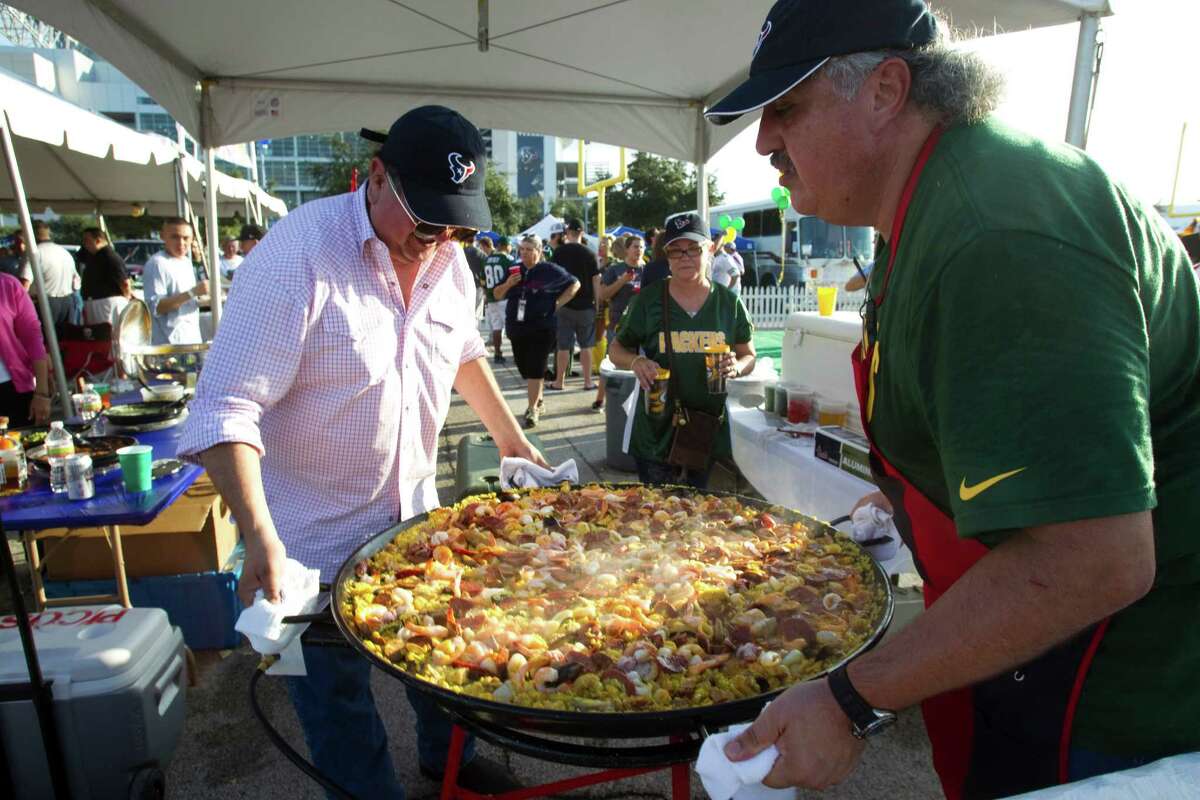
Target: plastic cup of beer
826 300
135 462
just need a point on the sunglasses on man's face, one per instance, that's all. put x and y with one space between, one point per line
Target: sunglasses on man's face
425 231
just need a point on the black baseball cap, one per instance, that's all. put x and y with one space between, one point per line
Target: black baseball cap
440 160
254 232
685 226
799 36
573 224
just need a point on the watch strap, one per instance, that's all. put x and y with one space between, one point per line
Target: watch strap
860 712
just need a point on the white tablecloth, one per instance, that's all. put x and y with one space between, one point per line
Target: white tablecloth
785 471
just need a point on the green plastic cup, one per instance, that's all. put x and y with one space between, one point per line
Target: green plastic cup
135 466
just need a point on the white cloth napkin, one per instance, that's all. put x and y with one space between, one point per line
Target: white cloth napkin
521 473
871 522
741 780
262 622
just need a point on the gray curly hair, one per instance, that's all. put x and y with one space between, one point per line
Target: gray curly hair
955 86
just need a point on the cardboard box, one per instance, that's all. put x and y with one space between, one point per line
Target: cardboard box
193 534
846 450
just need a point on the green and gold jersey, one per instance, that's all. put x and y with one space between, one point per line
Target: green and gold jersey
721 320
1039 362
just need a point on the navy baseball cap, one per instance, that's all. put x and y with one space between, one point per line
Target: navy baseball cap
685 226
440 160
799 36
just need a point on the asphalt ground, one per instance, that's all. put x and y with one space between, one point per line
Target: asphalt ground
224 753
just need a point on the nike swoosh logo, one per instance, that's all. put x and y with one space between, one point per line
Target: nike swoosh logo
967 493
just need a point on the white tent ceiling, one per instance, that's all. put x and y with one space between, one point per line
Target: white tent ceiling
630 72
75 161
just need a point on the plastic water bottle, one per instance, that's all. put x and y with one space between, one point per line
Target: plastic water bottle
59 445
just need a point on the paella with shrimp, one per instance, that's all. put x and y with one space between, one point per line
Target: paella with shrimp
614 599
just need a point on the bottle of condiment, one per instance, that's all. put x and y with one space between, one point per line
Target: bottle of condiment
12 458
59 447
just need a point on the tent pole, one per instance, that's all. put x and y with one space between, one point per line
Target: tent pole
102 224
1081 85
210 201
702 140
31 252
181 202
210 224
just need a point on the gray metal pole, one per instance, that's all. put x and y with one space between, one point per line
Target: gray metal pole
1081 85
31 251
702 139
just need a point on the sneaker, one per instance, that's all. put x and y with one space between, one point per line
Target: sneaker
531 417
500 360
597 405
541 406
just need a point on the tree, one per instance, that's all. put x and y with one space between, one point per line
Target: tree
349 152
506 208
657 187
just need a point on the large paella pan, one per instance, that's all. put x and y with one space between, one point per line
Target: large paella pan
633 610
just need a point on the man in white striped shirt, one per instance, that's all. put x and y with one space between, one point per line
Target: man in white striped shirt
319 408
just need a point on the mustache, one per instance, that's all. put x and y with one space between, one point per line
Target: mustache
780 160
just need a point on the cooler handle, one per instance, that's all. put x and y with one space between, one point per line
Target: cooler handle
168 684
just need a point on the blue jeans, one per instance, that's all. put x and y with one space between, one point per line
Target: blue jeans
343 730
658 473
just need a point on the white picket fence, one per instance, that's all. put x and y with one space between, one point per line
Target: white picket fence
770 306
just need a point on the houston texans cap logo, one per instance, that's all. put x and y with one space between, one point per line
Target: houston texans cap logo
681 222
766 29
460 170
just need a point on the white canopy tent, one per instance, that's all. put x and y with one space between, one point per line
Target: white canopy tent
80 162
543 226
637 73
75 161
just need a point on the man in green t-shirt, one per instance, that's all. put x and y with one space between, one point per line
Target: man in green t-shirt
495 272
1029 378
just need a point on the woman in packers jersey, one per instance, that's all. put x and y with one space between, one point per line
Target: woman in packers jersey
701 314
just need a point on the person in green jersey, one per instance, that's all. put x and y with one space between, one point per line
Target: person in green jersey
1029 377
702 314
496 268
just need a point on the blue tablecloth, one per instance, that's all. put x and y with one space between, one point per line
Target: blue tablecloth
37 508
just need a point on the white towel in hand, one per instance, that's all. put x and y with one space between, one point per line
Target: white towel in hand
871 522
262 623
521 473
741 780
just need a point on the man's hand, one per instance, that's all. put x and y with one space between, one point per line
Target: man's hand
877 499
262 568
39 408
521 448
201 288
816 747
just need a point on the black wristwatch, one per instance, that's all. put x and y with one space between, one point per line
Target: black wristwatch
865 721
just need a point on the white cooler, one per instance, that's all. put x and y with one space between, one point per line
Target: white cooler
118 683
816 354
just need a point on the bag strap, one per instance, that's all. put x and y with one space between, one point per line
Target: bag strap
673 381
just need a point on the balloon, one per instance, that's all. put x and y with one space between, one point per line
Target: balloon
730 233
776 193
739 223
724 221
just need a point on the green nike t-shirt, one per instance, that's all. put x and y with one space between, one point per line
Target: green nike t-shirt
721 320
495 272
1039 362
